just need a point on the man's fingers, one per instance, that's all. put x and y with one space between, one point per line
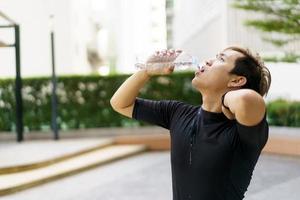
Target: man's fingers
172 51
164 55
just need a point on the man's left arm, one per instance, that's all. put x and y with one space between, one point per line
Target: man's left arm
245 105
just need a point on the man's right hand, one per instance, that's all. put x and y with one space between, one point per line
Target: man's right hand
162 62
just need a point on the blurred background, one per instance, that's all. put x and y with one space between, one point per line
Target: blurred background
62 60
105 37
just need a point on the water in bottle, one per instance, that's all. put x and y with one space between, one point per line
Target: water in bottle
183 62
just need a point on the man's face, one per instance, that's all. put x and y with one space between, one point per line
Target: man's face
214 74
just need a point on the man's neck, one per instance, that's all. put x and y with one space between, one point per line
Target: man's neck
212 102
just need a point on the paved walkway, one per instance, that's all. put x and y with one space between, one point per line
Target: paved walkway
147 177
39 150
12 153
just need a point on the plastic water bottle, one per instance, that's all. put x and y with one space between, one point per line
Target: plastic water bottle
183 62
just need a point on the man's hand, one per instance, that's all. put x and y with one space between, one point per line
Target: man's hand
245 105
161 62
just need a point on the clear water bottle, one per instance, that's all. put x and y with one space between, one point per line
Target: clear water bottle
183 62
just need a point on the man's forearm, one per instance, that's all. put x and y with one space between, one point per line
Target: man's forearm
128 91
246 105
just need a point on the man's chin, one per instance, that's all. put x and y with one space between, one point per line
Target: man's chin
201 85
196 84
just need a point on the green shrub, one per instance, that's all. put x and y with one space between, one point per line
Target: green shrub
284 113
83 101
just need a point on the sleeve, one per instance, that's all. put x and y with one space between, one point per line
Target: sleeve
254 137
159 113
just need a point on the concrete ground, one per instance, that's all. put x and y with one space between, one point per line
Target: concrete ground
147 176
13 154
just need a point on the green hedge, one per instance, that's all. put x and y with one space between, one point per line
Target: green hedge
84 101
284 113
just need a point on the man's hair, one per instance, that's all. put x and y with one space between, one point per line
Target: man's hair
252 67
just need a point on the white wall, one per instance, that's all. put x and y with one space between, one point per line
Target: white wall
199 27
71 32
129 26
285 81
134 31
34 37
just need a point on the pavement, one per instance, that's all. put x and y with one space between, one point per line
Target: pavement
35 163
30 152
35 151
142 177
147 176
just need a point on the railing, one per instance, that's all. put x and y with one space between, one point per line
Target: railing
18 80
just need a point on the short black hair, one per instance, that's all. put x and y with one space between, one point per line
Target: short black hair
253 69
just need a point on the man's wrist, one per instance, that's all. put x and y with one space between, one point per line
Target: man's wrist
144 73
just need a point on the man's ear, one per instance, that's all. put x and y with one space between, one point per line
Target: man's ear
237 81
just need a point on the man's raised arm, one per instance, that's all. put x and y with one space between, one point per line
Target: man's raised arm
247 106
123 99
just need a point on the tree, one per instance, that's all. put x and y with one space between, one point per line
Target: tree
281 17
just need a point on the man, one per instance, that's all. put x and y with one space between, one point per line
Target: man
215 146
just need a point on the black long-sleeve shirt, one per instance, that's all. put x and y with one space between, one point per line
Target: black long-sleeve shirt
212 157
